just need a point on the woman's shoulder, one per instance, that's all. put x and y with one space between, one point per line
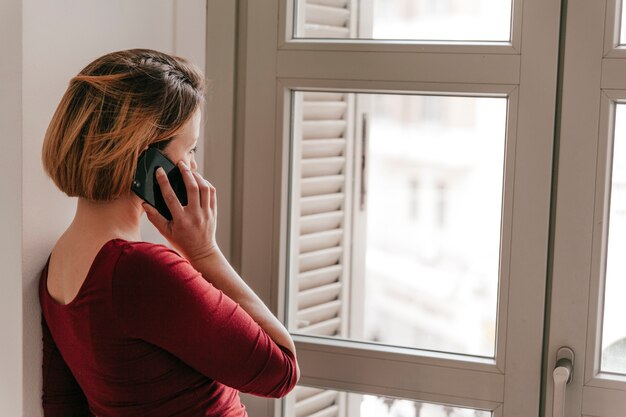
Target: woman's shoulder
146 272
149 258
143 248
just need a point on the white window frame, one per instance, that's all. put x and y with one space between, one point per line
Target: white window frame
269 64
593 82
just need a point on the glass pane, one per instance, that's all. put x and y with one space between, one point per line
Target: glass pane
308 402
410 256
614 331
428 20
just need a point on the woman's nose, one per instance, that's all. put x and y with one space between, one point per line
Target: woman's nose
193 164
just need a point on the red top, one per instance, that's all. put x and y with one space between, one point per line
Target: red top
147 335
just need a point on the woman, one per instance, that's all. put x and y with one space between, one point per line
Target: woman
132 328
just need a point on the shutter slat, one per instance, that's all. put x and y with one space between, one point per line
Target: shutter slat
320 148
319 277
319 259
323 129
331 184
319 295
333 3
321 203
325 328
318 241
302 392
327 32
315 403
321 222
318 313
322 110
326 15
322 166
332 411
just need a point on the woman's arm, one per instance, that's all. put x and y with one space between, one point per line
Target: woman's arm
215 268
61 396
192 232
161 298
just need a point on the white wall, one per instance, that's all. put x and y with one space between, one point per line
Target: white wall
11 208
42 45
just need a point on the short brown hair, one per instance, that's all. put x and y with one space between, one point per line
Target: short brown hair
114 108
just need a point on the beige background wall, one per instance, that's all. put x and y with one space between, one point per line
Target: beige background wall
42 45
11 208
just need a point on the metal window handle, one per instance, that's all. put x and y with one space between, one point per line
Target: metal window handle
562 375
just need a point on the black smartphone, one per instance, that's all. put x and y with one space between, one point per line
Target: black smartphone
145 184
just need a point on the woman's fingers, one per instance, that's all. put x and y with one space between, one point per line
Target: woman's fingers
190 184
199 193
171 200
213 203
155 218
203 185
192 229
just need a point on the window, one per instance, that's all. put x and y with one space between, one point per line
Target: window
428 285
613 331
324 118
346 60
432 20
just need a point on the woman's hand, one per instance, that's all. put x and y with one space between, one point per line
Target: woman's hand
192 228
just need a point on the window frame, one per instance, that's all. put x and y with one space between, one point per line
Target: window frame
265 68
284 93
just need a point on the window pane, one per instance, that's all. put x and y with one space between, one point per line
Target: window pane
614 331
309 402
409 256
429 20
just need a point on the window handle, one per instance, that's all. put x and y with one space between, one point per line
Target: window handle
562 374
364 136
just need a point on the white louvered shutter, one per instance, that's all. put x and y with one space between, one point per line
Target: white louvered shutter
321 213
322 193
321 190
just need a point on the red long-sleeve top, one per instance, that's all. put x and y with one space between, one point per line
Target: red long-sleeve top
147 335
